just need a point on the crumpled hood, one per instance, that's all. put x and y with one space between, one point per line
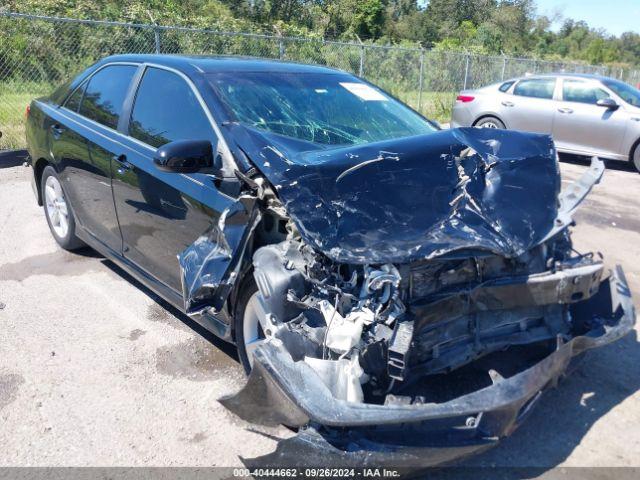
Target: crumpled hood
416 197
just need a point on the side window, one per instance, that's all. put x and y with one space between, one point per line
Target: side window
536 88
105 94
73 102
166 109
582 92
505 86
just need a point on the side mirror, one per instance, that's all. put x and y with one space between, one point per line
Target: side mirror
609 103
184 156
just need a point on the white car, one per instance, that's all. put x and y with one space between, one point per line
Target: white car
585 114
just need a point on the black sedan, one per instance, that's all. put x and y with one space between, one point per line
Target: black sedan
400 294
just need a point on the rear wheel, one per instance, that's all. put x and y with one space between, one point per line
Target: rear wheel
249 319
490 122
58 211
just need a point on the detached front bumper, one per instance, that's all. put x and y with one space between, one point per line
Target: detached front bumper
335 432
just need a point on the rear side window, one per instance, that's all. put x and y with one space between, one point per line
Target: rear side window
505 86
166 109
582 92
536 88
105 94
73 102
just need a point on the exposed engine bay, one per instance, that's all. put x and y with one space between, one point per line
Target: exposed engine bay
371 333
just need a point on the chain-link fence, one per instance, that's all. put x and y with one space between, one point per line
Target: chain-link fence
37 53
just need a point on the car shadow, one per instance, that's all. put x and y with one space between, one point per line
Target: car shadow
619 165
225 347
564 415
12 158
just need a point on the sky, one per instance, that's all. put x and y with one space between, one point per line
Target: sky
615 16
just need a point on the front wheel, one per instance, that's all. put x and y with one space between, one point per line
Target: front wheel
250 319
635 158
58 211
490 122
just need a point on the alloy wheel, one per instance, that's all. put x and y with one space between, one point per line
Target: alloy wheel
56 205
254 325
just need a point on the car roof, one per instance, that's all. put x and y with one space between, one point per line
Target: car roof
213 64
586 76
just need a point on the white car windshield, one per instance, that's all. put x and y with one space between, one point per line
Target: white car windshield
625 91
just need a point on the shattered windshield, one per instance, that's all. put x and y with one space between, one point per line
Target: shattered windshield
329 109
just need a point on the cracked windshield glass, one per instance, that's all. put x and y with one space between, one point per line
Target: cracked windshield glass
326 109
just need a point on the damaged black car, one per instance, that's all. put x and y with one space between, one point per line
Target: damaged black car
399 294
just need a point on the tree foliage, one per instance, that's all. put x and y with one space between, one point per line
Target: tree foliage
479 26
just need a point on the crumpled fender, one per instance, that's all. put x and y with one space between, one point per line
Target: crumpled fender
210 266
571 197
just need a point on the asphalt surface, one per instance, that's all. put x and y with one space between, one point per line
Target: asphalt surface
96 371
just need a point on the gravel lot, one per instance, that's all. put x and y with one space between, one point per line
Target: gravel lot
94 370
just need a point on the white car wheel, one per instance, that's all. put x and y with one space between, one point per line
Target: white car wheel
636 158
490 122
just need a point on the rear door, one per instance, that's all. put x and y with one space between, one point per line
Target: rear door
84 138
582 126
161 214
531 106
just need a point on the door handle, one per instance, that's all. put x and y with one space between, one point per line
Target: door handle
508 104
123 165
57 130
565 110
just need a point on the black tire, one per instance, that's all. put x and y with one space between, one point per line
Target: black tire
635 157
246 292
490 122
68 241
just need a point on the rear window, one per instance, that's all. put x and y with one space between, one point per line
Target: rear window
105 94
536 88
73 102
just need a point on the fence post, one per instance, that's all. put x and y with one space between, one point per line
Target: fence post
156 34
420 80
281 50
504 66
466 71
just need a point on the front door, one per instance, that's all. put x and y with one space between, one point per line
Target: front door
162 214
582 126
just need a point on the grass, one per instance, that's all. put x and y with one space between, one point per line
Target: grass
14 98
435 105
